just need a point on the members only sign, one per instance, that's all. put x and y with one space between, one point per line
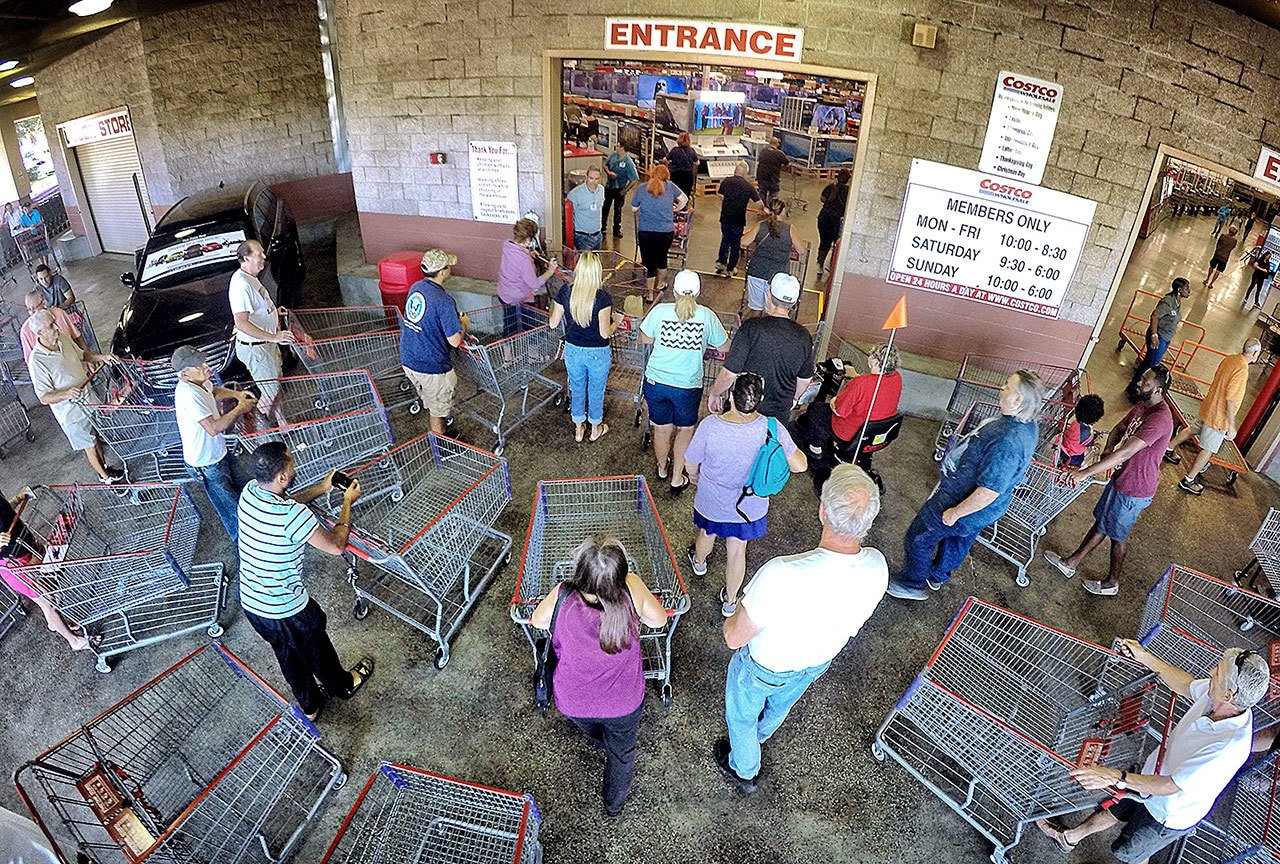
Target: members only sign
988 239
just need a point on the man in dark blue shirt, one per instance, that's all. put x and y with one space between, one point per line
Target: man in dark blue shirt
429 330
978 479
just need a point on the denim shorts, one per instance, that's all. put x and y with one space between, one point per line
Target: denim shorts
1142 836
1116 513
672 405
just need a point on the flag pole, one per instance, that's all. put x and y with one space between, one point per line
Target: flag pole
874 392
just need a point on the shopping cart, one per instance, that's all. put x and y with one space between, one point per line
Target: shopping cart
409 816
79 316
1243 827
566 512
1186 412
11 610
95 554
205 764
1005 709
14 420
329 421
1266 555
136 420
424 521
626 369
623 277
11 356
36 249
338 339
1188 619
502 367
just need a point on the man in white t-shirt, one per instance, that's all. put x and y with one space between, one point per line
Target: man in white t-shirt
796 616
202 426
1201 756
258 337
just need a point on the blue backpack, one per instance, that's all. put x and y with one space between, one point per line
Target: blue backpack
769 472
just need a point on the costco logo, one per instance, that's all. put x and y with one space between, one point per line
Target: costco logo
1004 190
1040 91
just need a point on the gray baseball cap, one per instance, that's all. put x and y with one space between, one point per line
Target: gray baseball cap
187 357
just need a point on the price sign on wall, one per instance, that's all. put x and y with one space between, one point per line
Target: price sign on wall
988 239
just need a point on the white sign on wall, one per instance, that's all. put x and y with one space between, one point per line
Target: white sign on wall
1268 167
984 238
755 41
495 196
1024 116
98 127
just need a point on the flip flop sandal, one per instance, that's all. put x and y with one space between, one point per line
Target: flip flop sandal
1057 834
578 434
604 430
362 671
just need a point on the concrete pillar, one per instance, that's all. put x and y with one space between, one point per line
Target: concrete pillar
13 176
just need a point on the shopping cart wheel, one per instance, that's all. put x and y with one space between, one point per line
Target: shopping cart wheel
1247 624
1120 344
645 439
666 695
938 453
636 421
415 407
878 752
442 657
215 631
103 666
497 450
360 611
30 434
397 495
1023 580
339 781
1232 477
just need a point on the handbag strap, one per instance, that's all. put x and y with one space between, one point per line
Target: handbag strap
564 591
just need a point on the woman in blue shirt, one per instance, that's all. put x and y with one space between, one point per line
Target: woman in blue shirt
588 325
655 205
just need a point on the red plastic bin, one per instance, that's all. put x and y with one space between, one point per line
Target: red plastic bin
396 275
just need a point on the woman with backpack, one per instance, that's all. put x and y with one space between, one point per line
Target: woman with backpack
725 459
594 620
770 249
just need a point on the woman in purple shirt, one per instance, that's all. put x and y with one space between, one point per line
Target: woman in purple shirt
599 677
518 276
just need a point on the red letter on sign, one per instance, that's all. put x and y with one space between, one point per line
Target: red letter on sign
757 47
664 32
617 34
710 40
1273 167
641 34
686 36
784 46
735 40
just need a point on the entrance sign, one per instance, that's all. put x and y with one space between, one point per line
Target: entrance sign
1268 167
97 127
756 41
1024 116
980 237
495 195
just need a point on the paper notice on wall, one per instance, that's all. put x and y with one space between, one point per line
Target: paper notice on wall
984 238
495 196
1024 116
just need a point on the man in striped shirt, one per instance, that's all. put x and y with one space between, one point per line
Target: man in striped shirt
275 529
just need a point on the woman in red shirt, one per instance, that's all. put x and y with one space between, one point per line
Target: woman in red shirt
852 406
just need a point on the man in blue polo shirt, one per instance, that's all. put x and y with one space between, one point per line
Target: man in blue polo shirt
429 330
622 172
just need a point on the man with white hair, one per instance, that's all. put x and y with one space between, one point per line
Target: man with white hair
975 489
58 376
797 614
1217 414
1200 757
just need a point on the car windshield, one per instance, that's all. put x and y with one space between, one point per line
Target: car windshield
203 248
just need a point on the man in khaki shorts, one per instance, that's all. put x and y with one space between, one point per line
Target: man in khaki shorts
429 330
258 337
1217 421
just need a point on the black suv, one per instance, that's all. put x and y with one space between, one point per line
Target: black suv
180 278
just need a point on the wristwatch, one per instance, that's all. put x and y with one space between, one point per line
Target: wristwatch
1123 784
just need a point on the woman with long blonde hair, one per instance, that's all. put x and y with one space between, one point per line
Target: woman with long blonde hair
655 205
587 312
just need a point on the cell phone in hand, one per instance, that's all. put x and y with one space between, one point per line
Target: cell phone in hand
252 390
341 481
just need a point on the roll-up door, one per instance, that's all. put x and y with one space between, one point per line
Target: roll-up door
108 169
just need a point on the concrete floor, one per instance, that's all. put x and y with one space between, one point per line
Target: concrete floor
822 798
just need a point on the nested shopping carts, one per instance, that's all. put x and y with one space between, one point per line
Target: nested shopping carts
424 521
503 356
1266 555
621 275
1244 827
627 362
136 419
14 420
409 816
327 421
205 764
338 339
118 567
1005 709
566 512
1188 619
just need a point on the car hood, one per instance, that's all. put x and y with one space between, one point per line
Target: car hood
152 322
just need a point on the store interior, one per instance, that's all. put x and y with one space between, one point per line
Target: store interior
730 113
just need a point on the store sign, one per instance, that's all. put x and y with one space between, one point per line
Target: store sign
99 127
495 195
1268 167
755 41
988 239
1024 116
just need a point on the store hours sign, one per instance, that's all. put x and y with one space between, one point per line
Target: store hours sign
988 239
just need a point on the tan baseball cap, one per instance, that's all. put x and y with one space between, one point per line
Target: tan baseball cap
435 260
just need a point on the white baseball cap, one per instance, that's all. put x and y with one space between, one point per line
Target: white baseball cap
687 283
785 288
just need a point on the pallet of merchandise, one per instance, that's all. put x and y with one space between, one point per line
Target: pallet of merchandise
705 187
813 173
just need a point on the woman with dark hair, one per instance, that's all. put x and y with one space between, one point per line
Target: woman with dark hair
719 460
518 277
594 620
683 162
770 249
1263 270
655 205
835 197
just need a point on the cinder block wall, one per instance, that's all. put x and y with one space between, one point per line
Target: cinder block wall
422 76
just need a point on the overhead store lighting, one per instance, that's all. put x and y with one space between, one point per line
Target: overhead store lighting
25 81
8 64
84 8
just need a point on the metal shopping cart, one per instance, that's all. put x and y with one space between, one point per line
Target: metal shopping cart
342 338
1266 555
424 521
566 512
136 421
14 420
410 816
1005 709
328 421
623 277
1188 619
1243 827
37 249
205 764
11 355
11 610
505 352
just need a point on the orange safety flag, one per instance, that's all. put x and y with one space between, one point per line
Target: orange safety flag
898 317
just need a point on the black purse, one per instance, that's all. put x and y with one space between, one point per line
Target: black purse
545 667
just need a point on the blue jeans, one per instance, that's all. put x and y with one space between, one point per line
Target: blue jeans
932 550
730 244
587 242
588 370
222 482
756 701
1153 357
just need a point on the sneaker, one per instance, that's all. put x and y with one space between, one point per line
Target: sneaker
728 609
1171 457
721 270
109 479
1191 487
933 586
903 592
698 569
721 754
617 234
1056 560
118 473
1095 587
